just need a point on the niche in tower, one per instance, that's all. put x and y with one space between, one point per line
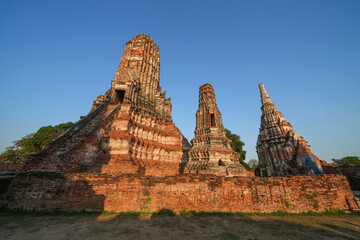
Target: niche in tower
212 120
120 94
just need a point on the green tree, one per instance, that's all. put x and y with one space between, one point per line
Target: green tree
32 143
253 163
237 146
349 160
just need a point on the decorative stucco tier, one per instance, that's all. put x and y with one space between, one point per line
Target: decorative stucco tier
211 152
280 149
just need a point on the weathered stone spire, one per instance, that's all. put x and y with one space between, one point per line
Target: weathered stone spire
280 149
211 152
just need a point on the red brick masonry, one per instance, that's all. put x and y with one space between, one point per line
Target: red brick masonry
9 167
352 173
46 191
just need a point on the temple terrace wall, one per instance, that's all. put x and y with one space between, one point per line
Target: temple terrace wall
49 191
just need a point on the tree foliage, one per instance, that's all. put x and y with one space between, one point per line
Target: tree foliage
237 146
349 160
32 143
253 163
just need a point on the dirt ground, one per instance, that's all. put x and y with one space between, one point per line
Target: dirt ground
87 227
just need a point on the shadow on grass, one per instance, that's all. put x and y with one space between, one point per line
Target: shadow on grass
357 225
167 224
344 230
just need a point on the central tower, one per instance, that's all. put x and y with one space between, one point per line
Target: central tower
137 79
143 138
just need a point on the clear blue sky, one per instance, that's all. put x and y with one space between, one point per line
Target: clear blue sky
56 57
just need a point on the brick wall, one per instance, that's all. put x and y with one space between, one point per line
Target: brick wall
352 173
45 191
9 167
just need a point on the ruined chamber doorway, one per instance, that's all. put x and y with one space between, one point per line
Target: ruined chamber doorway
120 94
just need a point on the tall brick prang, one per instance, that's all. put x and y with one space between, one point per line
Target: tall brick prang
280 149
211 152
137 79
128 130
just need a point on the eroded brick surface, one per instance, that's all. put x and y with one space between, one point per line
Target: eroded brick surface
352 173
9 167
187 192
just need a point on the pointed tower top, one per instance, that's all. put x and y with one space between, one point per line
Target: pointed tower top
140 51
264 95
205 87
141 37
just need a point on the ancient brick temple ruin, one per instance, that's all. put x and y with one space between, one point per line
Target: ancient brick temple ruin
127 155
211 152
128 130
280 149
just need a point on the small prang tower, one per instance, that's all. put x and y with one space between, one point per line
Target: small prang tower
280 149
211 152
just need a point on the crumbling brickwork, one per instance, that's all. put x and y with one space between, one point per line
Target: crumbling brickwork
9 167
352 173
280 149
137 79
129 192
211 152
